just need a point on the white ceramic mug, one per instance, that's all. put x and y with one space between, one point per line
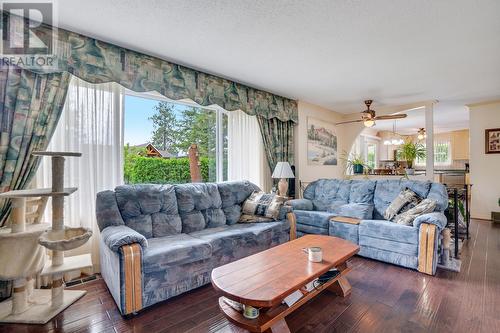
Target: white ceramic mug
315 254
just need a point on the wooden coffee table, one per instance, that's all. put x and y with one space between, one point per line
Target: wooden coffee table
264 279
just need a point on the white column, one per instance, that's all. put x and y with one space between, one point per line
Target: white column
429 130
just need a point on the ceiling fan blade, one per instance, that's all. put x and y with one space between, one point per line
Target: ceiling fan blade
389 117
349 122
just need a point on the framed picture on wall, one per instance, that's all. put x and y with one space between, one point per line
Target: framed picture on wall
492 141
321 142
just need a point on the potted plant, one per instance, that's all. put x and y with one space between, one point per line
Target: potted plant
409 151
354 163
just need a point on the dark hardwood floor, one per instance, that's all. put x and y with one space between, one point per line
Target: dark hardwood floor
385 298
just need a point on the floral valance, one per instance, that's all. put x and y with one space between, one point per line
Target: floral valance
96 61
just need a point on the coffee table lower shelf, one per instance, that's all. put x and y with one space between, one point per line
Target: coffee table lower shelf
273 319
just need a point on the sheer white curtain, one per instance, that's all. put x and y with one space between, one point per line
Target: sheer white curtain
91 123
246 159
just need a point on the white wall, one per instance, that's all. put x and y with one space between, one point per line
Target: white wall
484 168
305 172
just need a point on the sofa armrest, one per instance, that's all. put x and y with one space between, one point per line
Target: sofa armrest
117 236
438 219
292 219
284 210
300 204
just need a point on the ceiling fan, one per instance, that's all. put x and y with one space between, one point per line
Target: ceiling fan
368 116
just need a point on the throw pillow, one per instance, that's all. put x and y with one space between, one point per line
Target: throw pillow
263 204
424 207
355 210
406 200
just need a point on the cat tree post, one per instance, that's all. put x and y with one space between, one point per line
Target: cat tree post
57 203
19 296
18 215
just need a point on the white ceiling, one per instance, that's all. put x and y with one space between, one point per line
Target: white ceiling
446 118
333 53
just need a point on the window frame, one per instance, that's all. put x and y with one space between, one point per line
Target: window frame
219 132
448 161
374 144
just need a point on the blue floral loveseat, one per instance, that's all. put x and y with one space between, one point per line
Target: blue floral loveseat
413 246
159 241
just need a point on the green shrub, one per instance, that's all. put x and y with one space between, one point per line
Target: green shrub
140 169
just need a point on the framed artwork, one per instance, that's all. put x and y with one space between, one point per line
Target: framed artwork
492 138
321 142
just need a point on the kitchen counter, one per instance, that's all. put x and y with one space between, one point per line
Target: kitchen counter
449 177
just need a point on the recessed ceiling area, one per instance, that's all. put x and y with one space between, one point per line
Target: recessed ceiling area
446 119
333 53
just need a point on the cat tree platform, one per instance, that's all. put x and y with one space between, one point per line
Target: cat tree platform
40 310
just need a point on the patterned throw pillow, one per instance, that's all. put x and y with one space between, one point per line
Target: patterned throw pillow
263 204
405 201
424 207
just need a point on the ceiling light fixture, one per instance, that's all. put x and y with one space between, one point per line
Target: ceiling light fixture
369 123
421 134
395 139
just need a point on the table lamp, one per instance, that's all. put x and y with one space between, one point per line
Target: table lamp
283 171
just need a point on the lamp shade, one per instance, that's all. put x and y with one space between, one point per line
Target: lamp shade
283 170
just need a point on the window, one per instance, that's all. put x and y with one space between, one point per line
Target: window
366 146
371 155
158 134
442 154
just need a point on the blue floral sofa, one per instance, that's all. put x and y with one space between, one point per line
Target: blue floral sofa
414 246
159 241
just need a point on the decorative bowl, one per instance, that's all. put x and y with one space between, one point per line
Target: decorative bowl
64 240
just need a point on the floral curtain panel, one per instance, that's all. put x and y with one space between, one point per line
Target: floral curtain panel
278 140
30 106
98 62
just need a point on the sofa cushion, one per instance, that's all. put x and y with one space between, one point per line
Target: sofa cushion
180 249
388 245
327 192
362 211
199 206
420 187
346 231
223 237
301 204
149 209
143 224
438 192
361 191
387 230
229 241
313 218
107 212
410 261
310 229
232 195
327 206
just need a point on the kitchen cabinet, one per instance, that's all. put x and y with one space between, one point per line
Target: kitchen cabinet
460 145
